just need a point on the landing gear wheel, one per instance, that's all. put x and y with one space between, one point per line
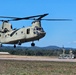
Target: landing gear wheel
14 46
32 44
0 45
19 43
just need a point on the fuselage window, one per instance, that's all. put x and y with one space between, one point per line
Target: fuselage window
5 35
16 33
21 32
11 26
28 31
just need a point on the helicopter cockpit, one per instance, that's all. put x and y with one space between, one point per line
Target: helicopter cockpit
38 29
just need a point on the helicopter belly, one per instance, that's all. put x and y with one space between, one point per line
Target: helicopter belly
14 40
22 39
35 37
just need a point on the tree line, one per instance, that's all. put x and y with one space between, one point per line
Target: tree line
53 52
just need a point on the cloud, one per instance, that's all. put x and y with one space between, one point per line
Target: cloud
73 42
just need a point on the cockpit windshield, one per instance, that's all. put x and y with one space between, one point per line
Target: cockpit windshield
39 29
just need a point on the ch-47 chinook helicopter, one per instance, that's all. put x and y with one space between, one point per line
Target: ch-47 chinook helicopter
25 34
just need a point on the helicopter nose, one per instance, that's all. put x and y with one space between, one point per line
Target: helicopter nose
42 34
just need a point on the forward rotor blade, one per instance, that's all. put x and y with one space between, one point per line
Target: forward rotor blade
33 18
25 18
57 19
42 16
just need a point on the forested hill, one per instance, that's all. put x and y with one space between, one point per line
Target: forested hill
34 48
36 51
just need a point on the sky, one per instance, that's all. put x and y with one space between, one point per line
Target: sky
57 33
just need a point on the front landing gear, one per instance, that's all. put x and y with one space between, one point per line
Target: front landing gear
19 43
32 44
0 45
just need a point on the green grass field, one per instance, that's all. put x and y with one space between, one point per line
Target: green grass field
11 67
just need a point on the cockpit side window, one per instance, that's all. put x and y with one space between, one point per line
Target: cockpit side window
11 26
0 35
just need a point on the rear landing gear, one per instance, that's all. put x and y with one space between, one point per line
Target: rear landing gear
32 44
14 46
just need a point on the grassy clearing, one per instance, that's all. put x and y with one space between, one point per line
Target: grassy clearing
10 67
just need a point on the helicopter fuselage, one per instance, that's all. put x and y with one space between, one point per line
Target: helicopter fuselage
22 35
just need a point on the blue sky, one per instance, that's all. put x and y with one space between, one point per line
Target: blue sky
57 33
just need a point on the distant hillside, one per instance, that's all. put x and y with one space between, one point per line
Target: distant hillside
51 47
35 51
32 48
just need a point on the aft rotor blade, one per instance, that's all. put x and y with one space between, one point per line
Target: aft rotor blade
7 17
5 20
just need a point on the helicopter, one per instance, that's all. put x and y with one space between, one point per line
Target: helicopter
8 35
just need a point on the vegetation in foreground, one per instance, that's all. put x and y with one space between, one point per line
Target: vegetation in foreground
12 67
